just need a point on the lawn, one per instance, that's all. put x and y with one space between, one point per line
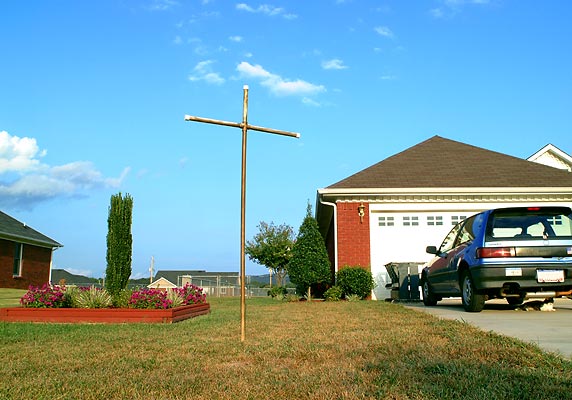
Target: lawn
11 297
318 350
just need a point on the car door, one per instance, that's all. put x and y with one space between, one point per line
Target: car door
439 269
464 239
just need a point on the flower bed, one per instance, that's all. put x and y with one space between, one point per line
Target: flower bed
103 315
62 304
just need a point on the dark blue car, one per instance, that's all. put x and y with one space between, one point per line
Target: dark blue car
512 253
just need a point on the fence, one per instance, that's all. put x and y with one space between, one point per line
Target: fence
213 285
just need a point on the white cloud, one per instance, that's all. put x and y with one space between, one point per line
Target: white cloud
203 72
236 39
450 8
18 154
310 102
266 10
276 84
162 5
384 31
25 181
178 40
333 64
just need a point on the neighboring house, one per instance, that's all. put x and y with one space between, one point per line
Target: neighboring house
213 283
162 283
25 255
389 212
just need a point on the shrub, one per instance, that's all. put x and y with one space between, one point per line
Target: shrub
89 297
46 296
278 291
149 298
121 299
333 294
355 280
161 299
191 294
292 298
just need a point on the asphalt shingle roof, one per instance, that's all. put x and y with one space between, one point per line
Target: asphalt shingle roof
444 163
12 229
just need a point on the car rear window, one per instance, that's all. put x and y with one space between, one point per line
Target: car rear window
530 223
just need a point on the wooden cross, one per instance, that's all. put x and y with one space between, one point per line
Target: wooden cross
245 127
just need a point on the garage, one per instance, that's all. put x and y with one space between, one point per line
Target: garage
390 211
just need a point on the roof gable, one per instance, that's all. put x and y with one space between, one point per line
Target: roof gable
552 156
14 230
444 163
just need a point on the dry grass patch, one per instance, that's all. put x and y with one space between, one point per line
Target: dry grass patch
337 350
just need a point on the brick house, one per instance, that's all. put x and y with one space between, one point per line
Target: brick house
25 255
390 211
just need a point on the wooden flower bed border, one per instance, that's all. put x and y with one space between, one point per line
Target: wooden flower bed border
103 315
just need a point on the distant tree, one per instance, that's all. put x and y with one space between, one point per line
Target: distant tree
309 265
272 247
119 243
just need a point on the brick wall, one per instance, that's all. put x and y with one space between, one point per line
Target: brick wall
353 236
35 266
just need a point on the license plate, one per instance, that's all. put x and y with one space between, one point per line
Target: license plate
547 276
513 271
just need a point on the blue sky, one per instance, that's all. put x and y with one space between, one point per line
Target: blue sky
94 93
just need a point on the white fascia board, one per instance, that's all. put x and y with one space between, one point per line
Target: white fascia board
552 149
448 191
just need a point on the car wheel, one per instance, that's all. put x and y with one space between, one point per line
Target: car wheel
472 301
429 298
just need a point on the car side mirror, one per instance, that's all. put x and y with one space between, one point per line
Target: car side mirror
431 250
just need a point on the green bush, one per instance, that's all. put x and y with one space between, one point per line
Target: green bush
121 299
355 280
333 294
278 292
292 298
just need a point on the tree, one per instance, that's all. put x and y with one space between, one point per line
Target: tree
309 265
272 247
119 243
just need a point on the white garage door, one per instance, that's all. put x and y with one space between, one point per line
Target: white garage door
403 237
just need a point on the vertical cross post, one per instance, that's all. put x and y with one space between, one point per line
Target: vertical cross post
244 126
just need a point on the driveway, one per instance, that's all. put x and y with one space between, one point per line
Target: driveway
551 331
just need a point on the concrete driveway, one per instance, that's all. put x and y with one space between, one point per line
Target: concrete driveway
552 331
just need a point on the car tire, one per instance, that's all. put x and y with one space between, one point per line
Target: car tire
472 301
429 298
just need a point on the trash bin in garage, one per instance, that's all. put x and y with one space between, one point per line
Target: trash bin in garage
404 280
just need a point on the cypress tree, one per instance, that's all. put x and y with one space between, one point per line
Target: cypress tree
309 265
119 243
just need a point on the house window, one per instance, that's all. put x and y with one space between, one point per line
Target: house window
410 221
434 220
18 248
455 219
386 221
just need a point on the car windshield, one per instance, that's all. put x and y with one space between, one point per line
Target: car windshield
530 223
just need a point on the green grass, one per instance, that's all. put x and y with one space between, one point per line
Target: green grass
10 297
322 350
